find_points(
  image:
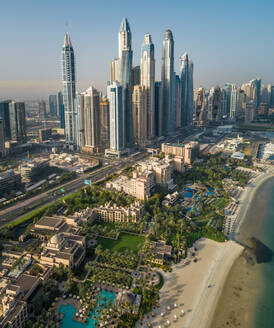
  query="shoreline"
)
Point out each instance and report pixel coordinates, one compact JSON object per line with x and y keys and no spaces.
{"x":242,"y":285}
{"x":198,"y":288}
{"x":195,"y":287}
{"x":245,"y":200}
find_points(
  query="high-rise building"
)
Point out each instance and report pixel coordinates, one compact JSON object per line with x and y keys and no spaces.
{"x":124,"y":78}
{"x":215,"y":105}
{"x":158,"y":109}
{"x":263,"y":110}
{"x":234,"y":103}
{"x":250,"y":111}
{"x":104,"y":123}
{"x":271,"y":95}
{"x":114,"y":70}
{"x":167,"y":75}
{"x":5,"y":115}
{"x":53,"y":105}
{"x":2,"y":138}
{"x":148,"y":82}
{"x":91,"y":119}
{"x":200,"y":107}
{"x":256,"y":83}
{"x":228,"y":88}
{"x":68,"y":74}
{"x":80,"y":110}
{"x":178,"y":102}
{"x":135,"y":76}
{"x":61,"y":112}
{"x":139,"y":115}
{"x":42,"y":108}
{"x":264,"y":95}
{"x":115,"y":96}
{"x":186,"y":72}
{"x":17,"y":121}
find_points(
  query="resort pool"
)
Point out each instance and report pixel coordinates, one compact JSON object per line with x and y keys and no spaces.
{"x":188,"y":194}
{"x":69,"y":312}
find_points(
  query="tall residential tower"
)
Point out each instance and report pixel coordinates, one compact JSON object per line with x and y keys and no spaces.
{"x":168,"y":82}
{"x":147,"y":68}
{"x":68,"y":74}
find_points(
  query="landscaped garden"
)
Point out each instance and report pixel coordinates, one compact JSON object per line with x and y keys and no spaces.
{"x":124,"y":242}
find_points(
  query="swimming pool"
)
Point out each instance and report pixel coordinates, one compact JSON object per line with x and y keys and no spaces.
{"x":69,"y":312}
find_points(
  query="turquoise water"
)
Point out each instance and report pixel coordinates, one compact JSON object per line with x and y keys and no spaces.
{"x":69,"y":312}
{"x":264,"y":317}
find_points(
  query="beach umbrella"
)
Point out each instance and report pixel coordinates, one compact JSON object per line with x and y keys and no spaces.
{"x":175,"y":317}
{"x":168,"y":322}
{"x":183,"y":312}
{"x":162,"y":314}
{"x":168,"y":308}
{"x":175,"y":305}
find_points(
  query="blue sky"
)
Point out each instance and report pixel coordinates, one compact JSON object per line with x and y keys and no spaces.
{"x":229,"y":41}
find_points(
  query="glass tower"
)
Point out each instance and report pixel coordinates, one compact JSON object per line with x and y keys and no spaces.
{"x":68,"y":73}
{"x":148,"y":82}
{"x":168,"y":83}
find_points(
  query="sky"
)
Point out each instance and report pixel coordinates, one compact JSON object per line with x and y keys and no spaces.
{"x":228,"y":40}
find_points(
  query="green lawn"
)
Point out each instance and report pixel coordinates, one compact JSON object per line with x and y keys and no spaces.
{"x":125,"y":242}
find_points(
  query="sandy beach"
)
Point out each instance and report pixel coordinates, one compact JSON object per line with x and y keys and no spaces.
{"x":246,"y":199}
{"x":237,"y":304}
{"x":188,"y":286}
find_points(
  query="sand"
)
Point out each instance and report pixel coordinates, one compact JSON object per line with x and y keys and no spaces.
{"x":187,"y":286}
{"x":236,"y":306}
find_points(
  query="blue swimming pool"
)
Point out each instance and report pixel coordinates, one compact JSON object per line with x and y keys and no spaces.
{"x":188,"y":194}
{"x":69,"y":312}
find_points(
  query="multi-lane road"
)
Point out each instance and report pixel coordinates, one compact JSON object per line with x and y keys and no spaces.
{"x":111,"y":166}
{"x":21,"y":208}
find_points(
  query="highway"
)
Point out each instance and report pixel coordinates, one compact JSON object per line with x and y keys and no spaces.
{"x":23,"y":207}
{"x":50,"y":196}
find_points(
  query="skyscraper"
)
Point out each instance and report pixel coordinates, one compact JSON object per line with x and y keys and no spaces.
{"x":61,"y":112}
{"x":17,"y":121}
{"x":2,"y":138}
{"x":158,"y":109}
{"x":42,"y":109}
{"x":148,"y":82}
{"x":200,"y":107}
{"x":271,"y":95}
{"x":124,"y":78}
{"x":5,"y":115}
{"x":53,"y":105}
{"x":186,"y":72}
{"x":80,"y":108}
{"x":215,"y":105}
{"x":178,"y":102}
{"x":256,"y":83}
{"x":68,"y":73}
{"x":91,"y":118}
{"x":167,"y":76}
{"x":234,"y":103}
{"x":114,"y":70}
{"x":115,"y":96}
{"x":135,"y":76}
{"x":228,"y":88}
{"x":104,"y":123}
{"x":139,"y":115}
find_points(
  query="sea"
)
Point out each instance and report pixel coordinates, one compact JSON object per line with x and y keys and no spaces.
{"x":259,"y":223}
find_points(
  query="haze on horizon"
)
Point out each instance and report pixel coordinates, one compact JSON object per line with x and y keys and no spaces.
{"x":228,"y":41}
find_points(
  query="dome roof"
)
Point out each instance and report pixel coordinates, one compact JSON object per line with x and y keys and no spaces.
{"x":56,"y":239}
